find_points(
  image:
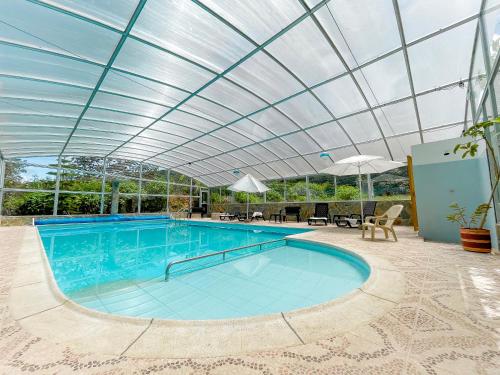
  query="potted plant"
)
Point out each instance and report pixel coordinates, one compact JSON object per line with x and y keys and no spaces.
{"x":472,"y":233}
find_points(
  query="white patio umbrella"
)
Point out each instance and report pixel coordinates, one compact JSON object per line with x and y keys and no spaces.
{"x":361,"y":164}
{"x":248,"y":184}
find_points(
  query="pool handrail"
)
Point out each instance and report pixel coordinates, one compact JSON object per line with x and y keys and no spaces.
{"x":223,"y":252}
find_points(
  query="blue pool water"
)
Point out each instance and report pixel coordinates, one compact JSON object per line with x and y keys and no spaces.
{"x":119,"y":268}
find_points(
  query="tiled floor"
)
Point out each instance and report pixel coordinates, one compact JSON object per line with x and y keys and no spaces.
{"x":448,"y":322}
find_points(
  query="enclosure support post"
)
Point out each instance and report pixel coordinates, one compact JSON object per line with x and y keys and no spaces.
{"x":58,"y":180}
{"x":139,"y":194}
{"x":284,"y":190}
{"x":190,"y":194}
{"x":413,"y":197}
{"x":335,"y":184}
{"x":308,"y":192}
{"x":168,"y":191}
{"x":103,"y":185}
{"x":2,"y":182}
{"x":370,"y":186}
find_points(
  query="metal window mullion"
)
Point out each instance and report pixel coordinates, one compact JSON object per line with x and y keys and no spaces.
{"x":408,"y":67}
{"x":308,"y":192}
{"x":191,"y":193}
{"x":168,"y":191}
{"x":2,"y":182}
{"x":103,"y":185}
{"x":56,"y":190}
{"x":487,"y":63}
{"x":139,"y":191}
{"x":490,"y":80}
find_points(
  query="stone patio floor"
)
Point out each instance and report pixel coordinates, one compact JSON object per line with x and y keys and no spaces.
{"x":448,"y":322}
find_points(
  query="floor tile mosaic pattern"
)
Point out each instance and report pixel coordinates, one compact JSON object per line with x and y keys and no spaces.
{"x":447,"y":323}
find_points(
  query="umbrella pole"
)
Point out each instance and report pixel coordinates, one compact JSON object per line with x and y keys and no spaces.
{"x":360,"y":194}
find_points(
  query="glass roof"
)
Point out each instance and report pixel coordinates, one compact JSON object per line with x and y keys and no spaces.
{"x":206,"y":86}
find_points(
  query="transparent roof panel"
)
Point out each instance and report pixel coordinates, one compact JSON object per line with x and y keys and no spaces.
{"x":258,"y":19}
{"x":251,"y":129}
{"x":492,"y":32}
{"x":423,"y":17}
{"x":305,"y":110}
{"x":430,"y":60}
{"x":54,"y":31}
{"x":439,"y":134}
{"x":233,"y":96}
{"x":120,"y":103}
{"x":302,"y":143}
{"x":109,"y":12}
{"x":186,"y":29}
{"x":377,"y":147}
{"x":368,"y":27}
{"x":26,"y":88}
{"x":307,"y":54}
{"x":261,"y":75}
{"x":401,"y":146}
{"x":341,"y":96}
{"x":397,"y":118}
{"x":387,"y":79}
{"x":39,"y":107}
{"x":329,"y":135}
{"x":26,"y":63}
{"x":153,"y":63}
{"x":127,"y":84}
{"x":274,"y":121}
{"x":442,"y":107}
{"x":209,"y":109}
{"x":361,"y":128}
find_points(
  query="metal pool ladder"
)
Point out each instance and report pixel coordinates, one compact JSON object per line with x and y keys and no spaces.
{"x":223,"y":253}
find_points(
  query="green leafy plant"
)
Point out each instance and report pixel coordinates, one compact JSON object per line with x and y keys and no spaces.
{"x":477,"y":133}
{"x":459,"y":215}
{"x":346,"y":193}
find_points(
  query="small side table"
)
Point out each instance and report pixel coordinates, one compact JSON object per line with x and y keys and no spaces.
{"x":276,"y":217}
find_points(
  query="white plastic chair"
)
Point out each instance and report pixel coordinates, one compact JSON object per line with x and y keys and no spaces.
{"x":384,"y":222}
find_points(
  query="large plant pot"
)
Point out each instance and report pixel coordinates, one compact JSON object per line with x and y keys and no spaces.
{"x":476,"y":240}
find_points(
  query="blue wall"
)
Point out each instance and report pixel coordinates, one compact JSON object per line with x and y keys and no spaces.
{"x":448,"y":179}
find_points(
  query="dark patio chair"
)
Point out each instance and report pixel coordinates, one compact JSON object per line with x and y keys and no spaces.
{"x":320,"y":214}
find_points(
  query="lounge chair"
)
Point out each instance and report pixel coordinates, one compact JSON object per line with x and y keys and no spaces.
{"x":368,"y":211}
{"x":227,"y":216}
{"x":257,"y":215}
{"x":292,"y":211}
{"x":320,"y":214}
{"x":388,"y":219}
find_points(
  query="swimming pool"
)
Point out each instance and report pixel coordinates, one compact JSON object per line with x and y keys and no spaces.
{"x":119,"y":268}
